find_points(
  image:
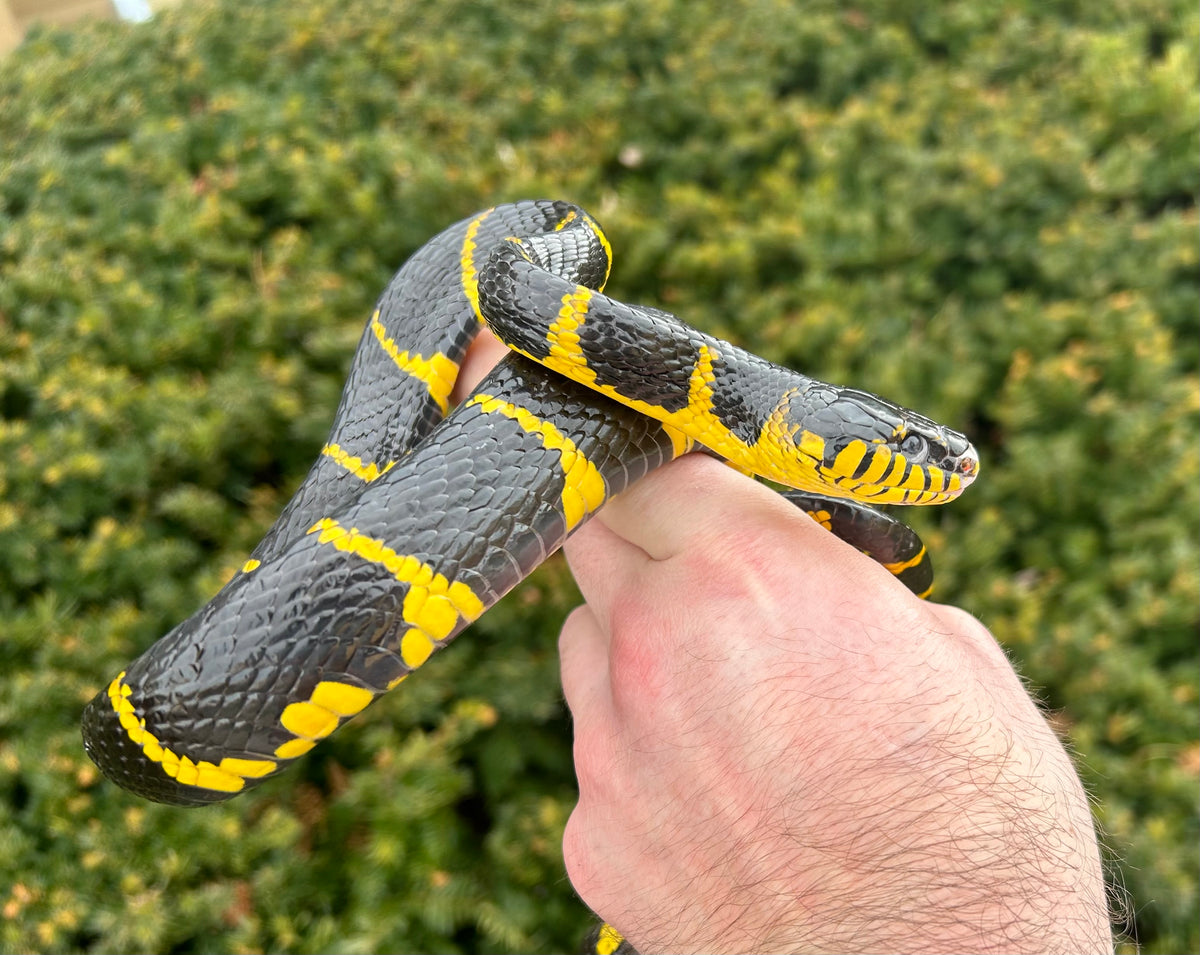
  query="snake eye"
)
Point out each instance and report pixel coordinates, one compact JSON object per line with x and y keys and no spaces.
{"x":914,"y":447}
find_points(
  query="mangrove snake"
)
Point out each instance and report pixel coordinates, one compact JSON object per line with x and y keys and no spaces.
{"x":413,"y":521}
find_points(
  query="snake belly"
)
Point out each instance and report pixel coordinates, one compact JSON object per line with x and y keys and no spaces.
{"x":410,"y":525}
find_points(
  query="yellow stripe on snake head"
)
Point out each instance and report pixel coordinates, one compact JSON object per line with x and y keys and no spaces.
{"x":881,"y":459}
{"x":850,"y":457}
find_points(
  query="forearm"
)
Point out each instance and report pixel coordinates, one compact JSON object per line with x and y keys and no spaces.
{"x":972,"y":849}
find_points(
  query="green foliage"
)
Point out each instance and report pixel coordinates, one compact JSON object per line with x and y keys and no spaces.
{"x":984,"y":211}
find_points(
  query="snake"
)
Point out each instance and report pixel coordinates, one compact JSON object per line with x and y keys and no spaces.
{"x":417,"y":517}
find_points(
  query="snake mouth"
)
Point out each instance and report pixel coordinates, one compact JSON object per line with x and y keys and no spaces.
{"x":933,"y":467}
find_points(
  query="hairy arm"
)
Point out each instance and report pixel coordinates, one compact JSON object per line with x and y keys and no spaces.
{"x":780,"y":749}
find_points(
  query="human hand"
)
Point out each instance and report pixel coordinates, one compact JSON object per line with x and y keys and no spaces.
{"x":779,"y":748}
{"x":485,"y":351}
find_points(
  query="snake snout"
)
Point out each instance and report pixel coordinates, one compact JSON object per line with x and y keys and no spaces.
{"x":964,"y":457}
{"x":967,"y":470}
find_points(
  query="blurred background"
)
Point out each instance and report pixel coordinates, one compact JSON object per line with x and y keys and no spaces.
{"x":987,"y":212}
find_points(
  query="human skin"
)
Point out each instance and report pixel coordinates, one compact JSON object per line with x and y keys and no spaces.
{"x":780,"y":749}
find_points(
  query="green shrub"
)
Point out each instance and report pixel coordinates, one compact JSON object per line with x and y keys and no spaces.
{"x":984,"y":211}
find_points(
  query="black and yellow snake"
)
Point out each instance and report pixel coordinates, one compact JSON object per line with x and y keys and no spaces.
{"x":414,"y":520}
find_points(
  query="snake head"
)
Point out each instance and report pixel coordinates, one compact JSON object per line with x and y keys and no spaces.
{"x":884,"y":454}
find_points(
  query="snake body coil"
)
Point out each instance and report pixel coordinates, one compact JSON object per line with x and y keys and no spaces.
{"x":411,"y":524}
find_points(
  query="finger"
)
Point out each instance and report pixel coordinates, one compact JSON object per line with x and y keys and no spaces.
{"x":481,"y":358}
{"x":691,"y":502}
{"x":604,"y":565}
{"x":700,"y":520}
{"x":583,"y":662}
{"x":587,"y":689}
